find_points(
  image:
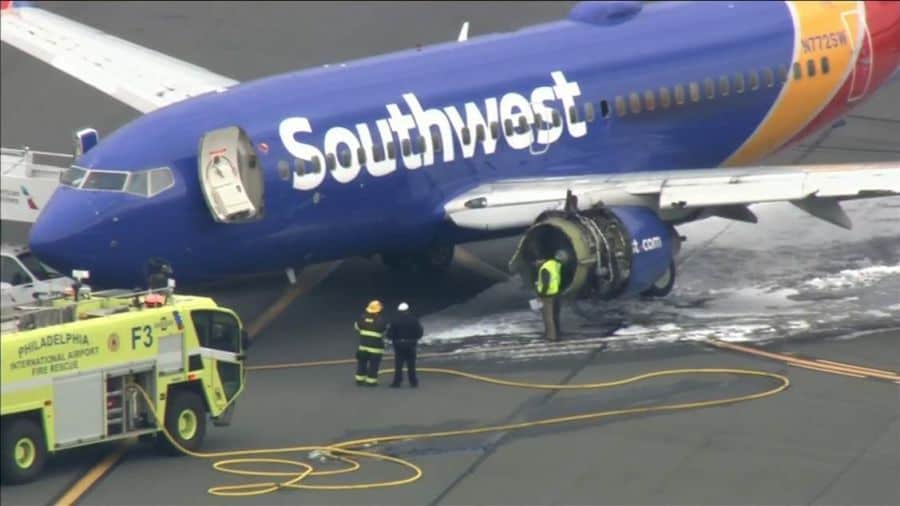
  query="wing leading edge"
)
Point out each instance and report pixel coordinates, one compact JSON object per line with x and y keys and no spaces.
{"x":137,"y":76}
{"x":817,"y":189}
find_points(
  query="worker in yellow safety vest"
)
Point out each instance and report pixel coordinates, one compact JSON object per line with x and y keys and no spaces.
{"x":548,"y":285}
{"x":371,"y":327}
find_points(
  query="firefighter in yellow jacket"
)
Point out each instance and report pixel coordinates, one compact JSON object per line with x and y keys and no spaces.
{"x":371,"y":327}
{"x":547,"y":286}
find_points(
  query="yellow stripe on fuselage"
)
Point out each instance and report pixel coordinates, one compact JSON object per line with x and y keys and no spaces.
{"x":821,"y":29}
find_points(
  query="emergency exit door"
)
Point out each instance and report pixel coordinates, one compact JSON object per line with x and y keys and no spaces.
{"x":230,"y":176}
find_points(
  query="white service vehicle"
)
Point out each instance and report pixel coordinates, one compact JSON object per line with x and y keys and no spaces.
{"x":23,"y":278}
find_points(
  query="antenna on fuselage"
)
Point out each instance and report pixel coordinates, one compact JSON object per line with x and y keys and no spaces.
{"x":463,"y":32}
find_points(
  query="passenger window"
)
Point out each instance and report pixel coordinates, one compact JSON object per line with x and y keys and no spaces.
{"x":137,"y":184}
{"x":798,"y":71}
{"x":634,"y":103}
{"x":420,"y":144}
{"x":811,"y":68}
{"x":769,"y":77}
{"x":539,"y":120}
{"x":436,"y":141}
{"x":782,"y":73}
{"x":604,"y":108}
{"x":391,"y":150}
{"x":523,"y":125}
{"x":679,"y":94}
{"x":694,"y":90}
{"x":161,"y":180}
{"x":620,"y":107}
{"x":825,"y":66}
{"x":316,"y":165}
{"x":709,"y":88}
{"x":724,"y":86}
{"x":739,"y":83}
{"x":329,"y":162}
{"x":407,"y":147}
{"x":361,"y":155}
{"x":557,"y":118}
{"x":649,"y":100}
{"x":754,"y":80}
{"x":378,"y":153}
{"x":665,"y":99}
{"x":466,"y":136}
{"x":299,"y":167}
{"x":573,"y":114}
{"x":508,"y":126}
{"x":589,"y":112}
{"x":346,"y":157}
{"x":13,"y":273}
{"x":479,"y":133}
{"x":495,"y":130}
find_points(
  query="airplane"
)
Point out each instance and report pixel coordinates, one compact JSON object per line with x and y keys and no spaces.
{"x":596,"y":134}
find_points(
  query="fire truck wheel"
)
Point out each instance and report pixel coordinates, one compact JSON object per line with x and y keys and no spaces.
{"x":24,"y":450}
{"x":185,"y":421}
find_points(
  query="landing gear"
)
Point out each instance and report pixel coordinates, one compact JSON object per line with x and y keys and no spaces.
{"x":434,"y":260}
{"x":663,"y":285}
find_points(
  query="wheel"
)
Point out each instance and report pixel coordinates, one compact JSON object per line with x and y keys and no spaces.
{"x":436,"y":259}
{"x":24,"y":450}
{"x":185,"y":422}
{"x":663,"y":285}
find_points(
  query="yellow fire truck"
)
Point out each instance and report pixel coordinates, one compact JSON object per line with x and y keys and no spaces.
{"x":71,"y":368}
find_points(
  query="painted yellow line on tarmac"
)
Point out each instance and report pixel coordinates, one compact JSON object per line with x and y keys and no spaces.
{"x":309,"y":278}
{"x":94,"y":474}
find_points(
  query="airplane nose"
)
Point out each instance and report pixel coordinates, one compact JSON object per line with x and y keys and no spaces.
{"x":57,"y":237}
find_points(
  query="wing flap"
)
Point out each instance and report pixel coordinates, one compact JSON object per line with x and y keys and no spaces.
{"x":139,"y":77}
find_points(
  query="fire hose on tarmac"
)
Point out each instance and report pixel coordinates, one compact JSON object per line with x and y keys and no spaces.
{"x":298,"y":472}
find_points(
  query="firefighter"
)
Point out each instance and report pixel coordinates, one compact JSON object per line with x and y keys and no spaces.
{"x":404,"y":333}
{"x":371,"y":327}
{"x":547,"y":286}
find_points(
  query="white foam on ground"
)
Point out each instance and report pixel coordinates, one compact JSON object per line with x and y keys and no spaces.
{"x":854,"y":278}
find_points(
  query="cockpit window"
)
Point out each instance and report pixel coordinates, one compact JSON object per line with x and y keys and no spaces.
{"x":97,"y":180}
{"x":73,"y":176}
{"x":160,"y":180}
{"x":137,"y":184}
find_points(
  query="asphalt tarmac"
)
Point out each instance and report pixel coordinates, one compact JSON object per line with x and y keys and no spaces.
{"x":828,"y":439}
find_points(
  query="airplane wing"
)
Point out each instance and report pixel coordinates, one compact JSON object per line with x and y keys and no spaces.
{"x":140,"y":77}
{"x":817,"y":189}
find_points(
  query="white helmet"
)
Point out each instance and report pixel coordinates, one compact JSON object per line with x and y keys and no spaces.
{"x":403,"y":307}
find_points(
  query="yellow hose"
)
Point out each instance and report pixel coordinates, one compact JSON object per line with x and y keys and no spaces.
{"x":348,"y":452}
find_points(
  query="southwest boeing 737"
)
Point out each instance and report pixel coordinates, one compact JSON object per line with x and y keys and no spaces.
{"x":596,"y":134}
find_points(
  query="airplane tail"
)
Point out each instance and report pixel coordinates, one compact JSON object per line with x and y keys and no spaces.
{"x":9,"y":4}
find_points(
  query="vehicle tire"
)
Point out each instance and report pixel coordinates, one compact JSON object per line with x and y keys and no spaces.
{"x":663,"y":285}
{"x":24,"y":450}
{"x":185,"y":422}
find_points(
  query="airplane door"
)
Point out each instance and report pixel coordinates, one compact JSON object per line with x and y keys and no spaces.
{"x":230,"y":176}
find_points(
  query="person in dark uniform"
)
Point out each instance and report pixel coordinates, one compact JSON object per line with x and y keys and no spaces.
{"x":371,"y":327}
{"x":404,"y":333}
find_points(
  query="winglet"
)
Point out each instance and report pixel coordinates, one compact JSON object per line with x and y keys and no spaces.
{"x":463,"y":33}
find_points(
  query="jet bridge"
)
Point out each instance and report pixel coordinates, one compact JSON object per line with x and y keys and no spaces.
{"x":28,"y":179}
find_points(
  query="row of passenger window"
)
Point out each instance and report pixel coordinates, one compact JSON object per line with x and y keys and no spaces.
{"x":738,"y":84}
{"x":634,"y":103}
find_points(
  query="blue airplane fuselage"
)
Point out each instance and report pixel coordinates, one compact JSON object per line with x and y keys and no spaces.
{"x":654,"y":79}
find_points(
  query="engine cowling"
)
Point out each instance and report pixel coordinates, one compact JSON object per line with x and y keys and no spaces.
{"x":612,"y":251}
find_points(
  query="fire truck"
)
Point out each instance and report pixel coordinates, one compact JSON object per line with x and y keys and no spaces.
{"x":76,"y":369}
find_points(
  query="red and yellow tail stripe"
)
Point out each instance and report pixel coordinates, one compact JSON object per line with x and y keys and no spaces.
{"x":821,"y":29}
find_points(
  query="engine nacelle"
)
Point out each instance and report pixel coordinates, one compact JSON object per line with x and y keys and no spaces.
{"x":612,"y":251}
